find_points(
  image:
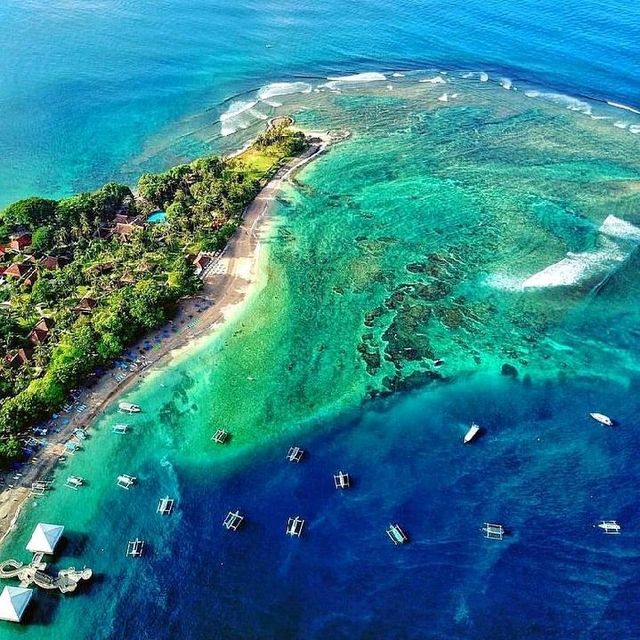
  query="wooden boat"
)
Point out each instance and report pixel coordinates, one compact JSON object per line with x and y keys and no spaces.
{"x":474,"y":430}
{"x":295,"y":454}
{"x":220,"y":436}
{"x":493,"y":531}
{"x":294,"y":526}
{"x":129,"y":407}
{"x":341,"y":480}
{"x":610,"y":527}
{"x":135,"y":548}
{"x":602,"y":419}
{"x":396,"y":534}
{"x":125,"y":481}
{"x":165,"y":506}
{"x":74,"y":482}
{"x":233,"y":520}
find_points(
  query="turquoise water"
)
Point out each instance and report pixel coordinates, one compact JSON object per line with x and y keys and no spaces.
{"x":496,"y":226}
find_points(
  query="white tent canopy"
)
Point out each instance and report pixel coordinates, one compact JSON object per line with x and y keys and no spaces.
{"x":13,"y":602}
{"x":44,"y":538}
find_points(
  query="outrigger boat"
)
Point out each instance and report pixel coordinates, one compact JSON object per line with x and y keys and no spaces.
{"x":474,"y":430}
{"x":74,"y":482}
{"x":396,"y":534}
{"x":610,"y":527}
{"x":602,"y":419}
{"x":128,"y":407}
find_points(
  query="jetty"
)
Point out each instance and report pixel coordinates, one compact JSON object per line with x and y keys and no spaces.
{"x":493,"y":531}
{"x":135,"y":548}
{"x":396,"y":534}
{"x":295,"y":454}
{"x":43,"y":541}
{"x":220,"y":436}
{"x":165,"y":506}
{"x":74,"y":482}
{"x":295,"y":526}
{"x":233,"y":520}
{"x":126,"y":481}
{"x":341,"y":480}
{"x":610,"y":527}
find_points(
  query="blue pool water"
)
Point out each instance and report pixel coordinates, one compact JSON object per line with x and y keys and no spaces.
{"x":158,"y":216}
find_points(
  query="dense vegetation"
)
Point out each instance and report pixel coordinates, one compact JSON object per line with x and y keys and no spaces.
{"x":134,"y":280}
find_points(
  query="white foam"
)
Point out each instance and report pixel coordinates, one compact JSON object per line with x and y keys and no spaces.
{"x":390,"y":87}
{"x":397,"y":75}
{"x":484,"y":77}
{"x":618,"y":228}
{"x":435,"y":80}
{"x":618,"y":105}
{"x":568,"y":102}
{"x":282,"y":89}
{"x":335,"y":82}
{"x":620,"y":124}
{"x":634,"y":128}
{"x":444,"y":97}
{"x":240,"y":115}
{"x":506,"y":83}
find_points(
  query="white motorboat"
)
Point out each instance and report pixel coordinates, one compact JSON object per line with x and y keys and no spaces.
{"x":602,"y":419}
{"x":474,"y":430}
{"x":129,"y":407}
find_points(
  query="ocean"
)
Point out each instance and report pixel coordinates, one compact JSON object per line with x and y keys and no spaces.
{"x":485,"y":211}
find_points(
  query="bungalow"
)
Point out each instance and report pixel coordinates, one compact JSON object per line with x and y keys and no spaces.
{"x":18,"y":271}
{"x":30,"y":278}
{"x":52,"y":263}
{"x":41,"y":331}
{"x":19,"y":241}
{"x":125,"y":229}
{"x":86,"y":305}
{"x":18,"y":358}
{"x":201,"y":262}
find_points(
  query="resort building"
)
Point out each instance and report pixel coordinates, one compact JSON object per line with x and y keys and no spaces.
{"x":18,"y":357}
{"x":13,"y":602}
{"x":201,"y":262}
{"x":19,"y":241}
{"x":44,"y":538}
{"x":41,"y":331}
{"x":86,"y":305}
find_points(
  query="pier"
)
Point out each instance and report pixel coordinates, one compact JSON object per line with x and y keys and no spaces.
{"x":34,"y":574}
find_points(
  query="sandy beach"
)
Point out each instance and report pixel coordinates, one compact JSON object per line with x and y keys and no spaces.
{"x":227,"y":284}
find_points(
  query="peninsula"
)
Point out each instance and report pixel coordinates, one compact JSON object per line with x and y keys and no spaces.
{"x":126,"y":290}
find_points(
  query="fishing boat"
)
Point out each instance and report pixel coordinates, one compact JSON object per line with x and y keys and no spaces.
{"x":128,"y":407}
{"x":474,"y":430}
{"x":120,"y":428}
{"x":602,"y":419}
{"x":74,"y":482}
{"x":610,"y":527}
{"x":396,"y":534}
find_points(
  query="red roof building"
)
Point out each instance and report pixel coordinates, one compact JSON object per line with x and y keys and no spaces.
{"x":19,"y":241}
{"x":18,"y":358}
{"x":40,"y":333}
{"x":19,"y":271}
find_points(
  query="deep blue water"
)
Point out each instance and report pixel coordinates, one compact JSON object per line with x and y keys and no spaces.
{"x":544,"y":469}
{"x":90,"y":91}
